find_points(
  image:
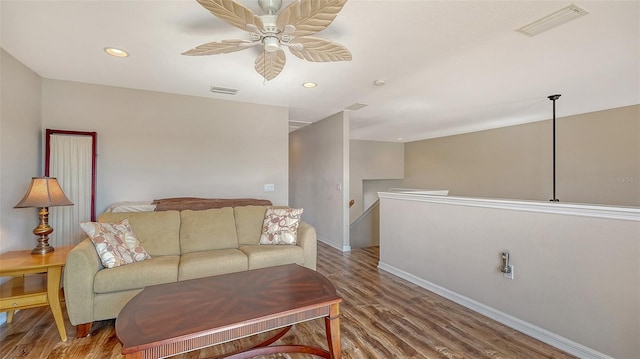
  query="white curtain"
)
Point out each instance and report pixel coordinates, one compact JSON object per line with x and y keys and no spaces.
{"x":70,"y":163}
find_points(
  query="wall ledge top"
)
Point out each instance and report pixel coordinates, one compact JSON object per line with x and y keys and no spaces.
{"x":572,"y":209}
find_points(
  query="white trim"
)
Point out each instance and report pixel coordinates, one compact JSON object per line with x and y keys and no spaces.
{"x":527,"y":328}
{"x":334,"y":245}
{"x":572,"y":209}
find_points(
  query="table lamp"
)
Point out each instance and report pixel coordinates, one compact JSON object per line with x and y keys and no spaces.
{"x":43,"y":192}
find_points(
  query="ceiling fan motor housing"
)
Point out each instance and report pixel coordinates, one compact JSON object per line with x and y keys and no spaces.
{"x":270,"y":6}
{"x":270,"y":41}
{"x":269,"y":23}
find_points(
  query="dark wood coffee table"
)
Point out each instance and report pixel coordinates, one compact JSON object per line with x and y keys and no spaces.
{"x":174,"y":318}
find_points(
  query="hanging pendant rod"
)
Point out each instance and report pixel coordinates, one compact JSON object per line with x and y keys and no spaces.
{"x":554,"y":98}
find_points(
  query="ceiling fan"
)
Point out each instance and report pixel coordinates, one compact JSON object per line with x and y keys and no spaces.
{"x":291,"y":28}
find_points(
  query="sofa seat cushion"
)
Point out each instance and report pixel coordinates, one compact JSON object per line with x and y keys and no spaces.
{"x":157,"y":270}
{"x":269,"y":256}
{"x":208,"y":263}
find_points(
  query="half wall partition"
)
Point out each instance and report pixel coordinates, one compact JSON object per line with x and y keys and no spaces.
{"x":576,"y":279}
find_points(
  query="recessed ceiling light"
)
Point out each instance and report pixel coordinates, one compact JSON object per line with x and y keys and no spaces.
{"x":116,"y":52}
{"x":310,"y":85}
{"x":379,"y":83}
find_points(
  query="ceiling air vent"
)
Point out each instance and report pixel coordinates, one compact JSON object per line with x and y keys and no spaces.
{"x":552,"y":20}
{"x":355,"y":107}
{"x":295,"y":125}
{"x":223,"y":90}
{"x":298,"y":124}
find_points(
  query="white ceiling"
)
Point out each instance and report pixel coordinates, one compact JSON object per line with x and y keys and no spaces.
{"x":450,"y":66}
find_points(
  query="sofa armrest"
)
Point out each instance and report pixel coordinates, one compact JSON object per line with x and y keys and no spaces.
{"x":81,"y":267}
{"x":306,"y":238}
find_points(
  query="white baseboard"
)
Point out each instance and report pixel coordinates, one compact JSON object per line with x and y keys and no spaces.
{"x":334,"y":245}
{"x":529,"y":329}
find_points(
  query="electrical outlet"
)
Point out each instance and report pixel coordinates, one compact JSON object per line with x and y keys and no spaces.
{"x":510,"y":274}
{"x":269,"y":187}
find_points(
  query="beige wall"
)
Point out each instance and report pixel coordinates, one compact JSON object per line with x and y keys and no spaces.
{"x":371,"y":160}
{"x":575,"y":276}
{"x":598,"y":160}
{"x":20,"y":150}
{"x":154,"y":145}
{"x":319,"y":177}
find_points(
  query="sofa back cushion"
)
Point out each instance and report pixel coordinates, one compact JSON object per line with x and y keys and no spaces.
{"x":157,"y":231}
{"x":249,"y":223}
{"x":207,"y":230}
{"x":249,"y":220}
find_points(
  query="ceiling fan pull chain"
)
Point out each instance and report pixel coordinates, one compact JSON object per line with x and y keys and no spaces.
{"x":264,"y":67}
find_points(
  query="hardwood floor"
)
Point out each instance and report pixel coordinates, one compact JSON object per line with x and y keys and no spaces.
{"x":382,"y":317}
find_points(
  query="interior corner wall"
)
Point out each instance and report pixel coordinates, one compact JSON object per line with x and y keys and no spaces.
{"x":319,"y":177}
{"x":371,"y":160}
{"x":20,"y":150}
{"x":156,"y":145}
{"x":597,"y":160}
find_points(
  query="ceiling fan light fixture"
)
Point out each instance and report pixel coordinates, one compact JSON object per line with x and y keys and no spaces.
{"x":309,"y":85}
{"x":113,"y":51}
{"x":271,"y":44}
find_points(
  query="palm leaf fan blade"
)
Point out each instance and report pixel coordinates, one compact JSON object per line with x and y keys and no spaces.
{"x":319,"y":50}
{"x":222,"y":47}
{"x":270,"y":64}
{"x":232,"y":12}
{"x":309,"y":17}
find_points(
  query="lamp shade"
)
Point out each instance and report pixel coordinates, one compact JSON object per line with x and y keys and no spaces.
{"x":44,"y":192}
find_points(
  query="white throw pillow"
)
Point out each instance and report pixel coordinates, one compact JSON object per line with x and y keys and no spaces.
{"x":280,"y":226}
{"x":115,"y":243}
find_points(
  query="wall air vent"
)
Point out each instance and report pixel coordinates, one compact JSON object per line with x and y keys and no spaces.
{"x":223,"y":90}
{"x":552,"y":20}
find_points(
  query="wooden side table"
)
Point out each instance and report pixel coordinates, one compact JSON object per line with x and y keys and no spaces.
{"x":36,"y":282}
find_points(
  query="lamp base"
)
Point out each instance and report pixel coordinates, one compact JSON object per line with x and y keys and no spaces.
{"x":43,"y":230}
{"x":42,"y":249}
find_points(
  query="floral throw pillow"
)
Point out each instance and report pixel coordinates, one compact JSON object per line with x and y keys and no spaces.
{"x":280,"y":225}
{"x":115,"y":243}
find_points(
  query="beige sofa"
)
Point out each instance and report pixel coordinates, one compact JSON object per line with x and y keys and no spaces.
{"x":183,"y":245}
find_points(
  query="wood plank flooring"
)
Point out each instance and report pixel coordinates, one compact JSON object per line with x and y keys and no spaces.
{"x":383,"y":317}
